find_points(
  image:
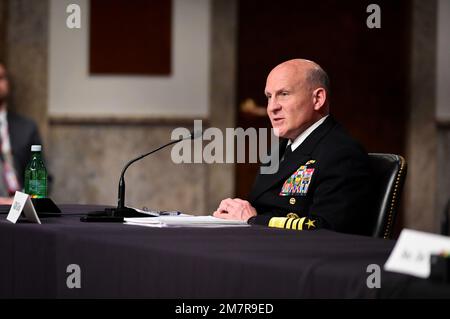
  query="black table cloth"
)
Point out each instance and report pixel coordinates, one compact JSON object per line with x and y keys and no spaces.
{"x":123,"y":261}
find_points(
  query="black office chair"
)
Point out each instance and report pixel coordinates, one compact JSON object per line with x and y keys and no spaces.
{"x":389,"y":174}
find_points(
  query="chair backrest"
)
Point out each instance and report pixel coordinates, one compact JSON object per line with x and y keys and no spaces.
{"x":389,"y":174}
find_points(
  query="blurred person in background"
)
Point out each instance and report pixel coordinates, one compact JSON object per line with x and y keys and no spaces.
{"x":17,"y":134}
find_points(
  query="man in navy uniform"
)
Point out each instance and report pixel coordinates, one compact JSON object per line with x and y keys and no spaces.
{"x":323,"y":180}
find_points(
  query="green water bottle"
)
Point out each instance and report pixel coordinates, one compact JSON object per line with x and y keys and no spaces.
{"x":36,"y":174}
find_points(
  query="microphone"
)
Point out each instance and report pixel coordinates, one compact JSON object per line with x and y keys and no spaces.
{"x":121,"y":211}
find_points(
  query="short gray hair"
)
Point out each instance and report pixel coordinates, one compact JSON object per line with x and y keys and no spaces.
{"x":317,"y":77}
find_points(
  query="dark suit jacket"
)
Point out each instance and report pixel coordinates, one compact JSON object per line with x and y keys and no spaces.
{"x":338,"y":196}
{"x":23,"y":133}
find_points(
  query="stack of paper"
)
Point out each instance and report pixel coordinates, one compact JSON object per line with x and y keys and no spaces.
{"x":184,"y":221}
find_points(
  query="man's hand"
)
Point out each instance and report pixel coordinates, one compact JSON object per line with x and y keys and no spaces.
{"x":236,"y":209}
{"x":6,"y":200}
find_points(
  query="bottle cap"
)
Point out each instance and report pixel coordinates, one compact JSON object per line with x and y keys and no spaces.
{"x":36,"y":148}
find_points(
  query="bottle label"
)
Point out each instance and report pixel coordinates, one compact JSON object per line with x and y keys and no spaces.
{"x":38,"y":188}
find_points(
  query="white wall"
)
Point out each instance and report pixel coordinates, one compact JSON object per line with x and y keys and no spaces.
{"x":443,"y":61}
{"x":73,"y":92}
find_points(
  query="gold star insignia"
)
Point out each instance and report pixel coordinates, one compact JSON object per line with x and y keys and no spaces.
{"x":310,"y":223}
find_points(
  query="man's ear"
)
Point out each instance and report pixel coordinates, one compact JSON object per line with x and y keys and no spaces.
{"x":319,"y":98}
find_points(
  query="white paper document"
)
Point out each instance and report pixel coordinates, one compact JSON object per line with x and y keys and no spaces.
{"x":184,"y":220}
{"x":411,"y":254}
{"x":157,"y":212}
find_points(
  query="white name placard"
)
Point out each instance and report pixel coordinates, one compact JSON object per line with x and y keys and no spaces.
{"x":411,"y":254}
{"x":22,"y":204}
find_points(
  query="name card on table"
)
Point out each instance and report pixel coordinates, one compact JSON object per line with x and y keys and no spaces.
{"x":411,"y":254}
{"x":22,"y":204}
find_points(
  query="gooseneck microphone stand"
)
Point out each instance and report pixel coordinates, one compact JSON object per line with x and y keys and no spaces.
{"x":121,"y":211}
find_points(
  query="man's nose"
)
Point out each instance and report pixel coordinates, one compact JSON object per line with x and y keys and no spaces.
{"x":273,"y":105}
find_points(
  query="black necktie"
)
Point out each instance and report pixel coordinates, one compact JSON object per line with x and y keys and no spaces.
{"x":287,"y":152}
